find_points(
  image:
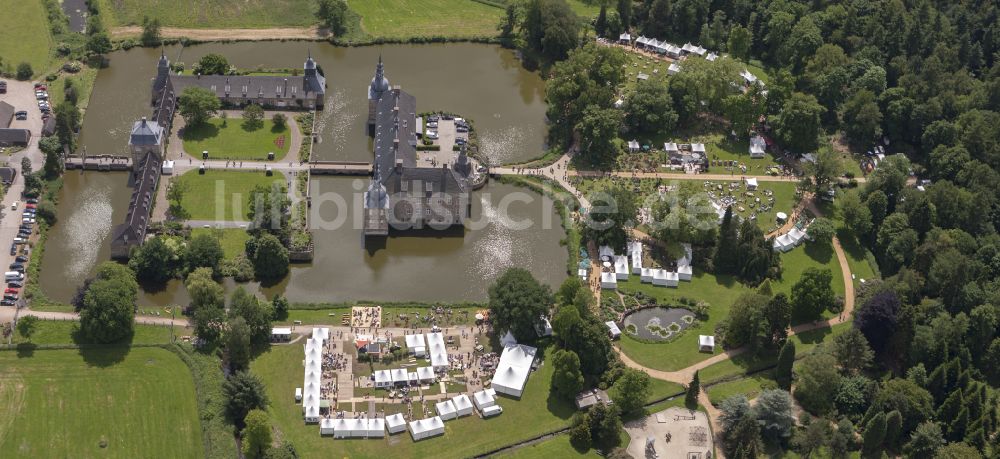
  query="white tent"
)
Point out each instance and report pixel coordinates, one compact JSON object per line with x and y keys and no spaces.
{"x":375,"y":428}
{"x":621,"y":267}
{"x":711,"y":57}
{"x":446,"y":410}
{"x":660,"y":277}
{"x":633,"y":146}
{"x":311,"y":413}
{"x":673,"y":69}
{"x":340,"y":428}
{"x":757,"y":147}
{"x":463,"y":406}
{"x":752,"y":183}
{"x":582,"y":273}
{"x":395,"y":423}
{"x":383,"y":378}
{"x":670,"y":147}
{"x":326,"y":427}
{"x":609,"y":281}
{"x":483,"y":399}
{"x":673,"y":50}
{"x":426,"y":428}
{"x":321,"y":333}
{"x":439,"y":360}
{"x":706,"y":343}
{"x":399,"y":376}
{"x":492,"y":411}
{"x":685,"y":272}
{"x":672,"y":279}
{"x":513,"y":369}
{"x":281,"y":333}
{"x":415,"y":344}
{"x":434,"y":340}
{"x":411,"y":377}
{"x":508,"y":339}
{"x":613,"y":329}
{"x":698,"y":148}
{"x":646,"y":275}
{"x":624,"y":38}
{"x":425,"y":374}
{"x":605,"y":252}
{"x":635,"y":251}
{"x":748,"y":77}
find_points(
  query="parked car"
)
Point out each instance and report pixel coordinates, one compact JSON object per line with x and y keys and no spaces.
{"x":447,"y":117}
{"x":11,"y":290}
{"x":461,"y":129}
{"x":432,"y":124}
{"x":433,"y":118}
{"x":30,"y":206}
{"x":21,"y":115}
{"x":10,"y":297}
{"x":15,"y":266}
{"x":32,"y":201}
{"x":21,"y":259}
{"x":459,"y":141}
{"x":432,"y":135}
{"x":39,"y":85}
{"x":7,"y":302}
{"x":15,"y":284}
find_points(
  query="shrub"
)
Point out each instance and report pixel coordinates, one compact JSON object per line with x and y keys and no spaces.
{"x":24,"y":71}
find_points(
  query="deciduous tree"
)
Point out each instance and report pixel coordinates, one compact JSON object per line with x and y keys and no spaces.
{"x":197,"y":105}
{"x":517,"y":302}
{"x":567,"y":381}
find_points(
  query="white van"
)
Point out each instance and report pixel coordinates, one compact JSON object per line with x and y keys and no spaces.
{"x":13,"y":276}
{"x":13,"y":206}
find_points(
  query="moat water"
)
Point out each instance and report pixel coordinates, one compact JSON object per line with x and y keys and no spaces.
{"x":484,"y":83}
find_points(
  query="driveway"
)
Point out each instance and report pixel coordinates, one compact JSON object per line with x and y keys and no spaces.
{"x":20,"y":94}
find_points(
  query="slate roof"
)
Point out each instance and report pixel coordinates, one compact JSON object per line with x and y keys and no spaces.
{"x":6,"y":114}
{"x":145,"y":133}
{"x":133,"y":231}
{"x":14,"y":136}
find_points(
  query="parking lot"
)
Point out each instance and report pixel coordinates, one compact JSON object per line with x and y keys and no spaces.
{"x":447,"y":134}
{"x":21,"y":95}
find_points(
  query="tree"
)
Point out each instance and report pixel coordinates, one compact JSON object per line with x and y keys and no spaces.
{"x":567,"y":381}
{"x":270,"y":259}
{"x":244,"y":391}
{"x":691,"y":395}
{"x":197,"y":105}
{"x":280,"y":121}
{"x":176,"y":189}
{"x":285,"y":451}
{"x":913,"y":402}
{"x":625,"y":12}
{"x":740,"y":39}
{"x":811,"y":439}
{"x":150,"y":31}
{"x":154,"y":261}
{"x":46,"y":212}
{"x":99,"y":43}
{"x":812,"y":294}
{"x":817,"y":379}
{"x":774,"y":412}
{"x":798,"y":122}
{"x":605,"y":424}
{"x":279,"y":304}
{"x":747,"y":324}
{"x":108,"y":311}
{"x":825,"y":169}
{"x":601,"y":24}
{"x":779,"y":315}
{"x":204,"y":251}
{"x":598,"y":130}
{"x":551,"y":28}
{"x":822,"y":231}
{"x":630,"y":390}
{"x":783,"y":369}
{"x":957,"y":451}
{"x":893,"y":427}
{"x":861,"y":118}
{"x":203,"y":289}
{"x":213,"y":64}
{"x":52,"y":148}
{"x":744,"y":440}
{"x":725,"y":249}
{"x":253,"y":117}
{"x":257,"y":315}
{"x":853,"y":396}
{"x":256,"y":435}
{"x":925,"y":440}
{"x":333,"y":15}
{"x":209,"y":322}
{"x":873,"y":435}
{"x":611,"y":216}
{"x":517,"y":301}
{"x":238,"y":344}
{"x":856,"y":215}
{"x":579,"y":434}
{"x":67,"y":122}
{"x":852,"y":351}
{"x":877,"y":319}
{"x":26,"y":326}
{"x":649,"y":110}
{"x":24,"y":71}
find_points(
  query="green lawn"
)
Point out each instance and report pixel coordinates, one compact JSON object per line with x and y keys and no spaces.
{"x":236,"y":142}
{"x":67,"y":332}
{"x":719,"y":292}
{"x":555,"y":447}
{"x":84,"y":82}
{"x":221,"y":195}
{"x":137,"y":402}
{"x":199,"y":14}
{"x":427,"y":18}
{"x":587,"y":9}
{"x":750,"y":386}
{"x":536,"y":413}
{"x":233,"y":240}
{"x":25,"y":35}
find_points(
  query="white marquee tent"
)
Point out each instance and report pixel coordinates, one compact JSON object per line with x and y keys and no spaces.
{"x":375,"y":428}
{"x":395,"y":423}
{"x":463,"y":406}
{"x":609,"y":281}
{"x":326,"y":427}
{"x":426,"y":428}
{"x":415,"y":344}
{"x":383,"y":378}
{"x":446,"y":410}
{"x":635,"y":252}
{"x":425,"y":374}
{"x":513,"y":369}
{"x":508,"y":339}
{"x":483,"y":399}
{"x":621,"y":267}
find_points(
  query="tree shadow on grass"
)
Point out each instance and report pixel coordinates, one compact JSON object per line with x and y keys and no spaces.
{"x":251,"y":126}
{"x":26,"y":350}
{"x":820,"y":253}
{"x":199,"y":132}
{"x":102,"y":355}
{"x":815,"y":336}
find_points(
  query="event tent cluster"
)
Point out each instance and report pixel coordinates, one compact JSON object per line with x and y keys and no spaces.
{"x":429,"y":345}
{"x":311,"y":393}
{"x":401,"y":377}
{"x":790,"y":240}
{"x":656,"y":276}
{"x":353,"y":428}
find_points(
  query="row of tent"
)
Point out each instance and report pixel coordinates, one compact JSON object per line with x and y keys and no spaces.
{"x":790,"y":240}
{"x":419,"y":429}
{"x":401,"y":377}
{"x":663,"y":47}
{"x":312,"y":379}
{"x":659,"y":277}
{"x":430,"y":344}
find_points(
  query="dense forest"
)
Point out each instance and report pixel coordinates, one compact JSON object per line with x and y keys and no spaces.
{"x":918,"y":373}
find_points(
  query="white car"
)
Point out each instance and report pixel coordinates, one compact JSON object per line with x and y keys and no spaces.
{"x":432,"y":124}
{"x":432,"y":135}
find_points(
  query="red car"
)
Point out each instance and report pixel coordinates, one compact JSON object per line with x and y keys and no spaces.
{"x":10,"y":291}
{"x":40,"y":87}
{"x":29,"y":206}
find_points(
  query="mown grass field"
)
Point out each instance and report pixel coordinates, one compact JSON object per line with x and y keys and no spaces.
{"x":25,"y":35}
{"x":558,"y":446}
{"x":235,"y":141}
{"x":137,"y":402}
{"x":67,"y":332}
{"x":536,"y":413}
{"x":233,"y":240}
{"x":210,"y":13}
{"x":222,"y":195}
{"x":426,"y":18}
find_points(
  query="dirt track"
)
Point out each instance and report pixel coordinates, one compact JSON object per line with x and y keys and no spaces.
{"x":227,"y":34}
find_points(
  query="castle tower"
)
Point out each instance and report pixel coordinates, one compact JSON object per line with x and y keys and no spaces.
{"x":162,"y":75}
{"x":314,"y":83}
{"x":378,"y":87}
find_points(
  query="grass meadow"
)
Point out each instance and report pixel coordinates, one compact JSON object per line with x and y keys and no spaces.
{"x":400,"y":19}
{"x":105,"y":402}
{"x":234,"y":141}
{"x":25,"y":35}
{"x":233,"y":240}
{"x":203,"y":14}
{"x":222,"y":195}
